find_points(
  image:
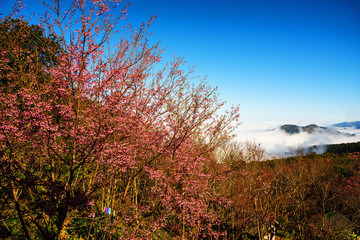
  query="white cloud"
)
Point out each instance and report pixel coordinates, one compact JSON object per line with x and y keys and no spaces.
{"x":276,"y":141}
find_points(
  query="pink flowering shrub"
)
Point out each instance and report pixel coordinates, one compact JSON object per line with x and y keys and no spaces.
{"x":96,"y":126}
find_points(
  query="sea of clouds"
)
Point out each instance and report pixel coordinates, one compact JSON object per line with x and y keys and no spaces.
{"x":278,"y":142}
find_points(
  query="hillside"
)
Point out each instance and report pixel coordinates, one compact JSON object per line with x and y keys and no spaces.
{"x":336,"y":148}
{"x":312,"y":128}
{"x":355,"y":124}
{"x":294,"y":129}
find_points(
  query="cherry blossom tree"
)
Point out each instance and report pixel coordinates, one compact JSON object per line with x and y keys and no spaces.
{"x":106,"y":125}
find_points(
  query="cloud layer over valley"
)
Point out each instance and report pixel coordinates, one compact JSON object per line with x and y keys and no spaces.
{"x":278,"y":142}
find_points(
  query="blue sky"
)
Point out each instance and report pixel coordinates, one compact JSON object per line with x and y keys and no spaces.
{"x":282,"y":61}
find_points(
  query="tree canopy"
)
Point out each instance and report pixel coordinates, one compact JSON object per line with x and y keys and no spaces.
{"x":25,"y":49}
{"x":86,"y":127}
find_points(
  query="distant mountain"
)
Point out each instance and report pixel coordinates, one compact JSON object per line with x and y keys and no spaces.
{"x":290,"y":129}
{"x":355,"y":124}
{"x":295,"y":129}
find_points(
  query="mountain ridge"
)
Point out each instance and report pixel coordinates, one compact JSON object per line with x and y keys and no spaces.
{"x":354,"y":124}
{"x":313,"y":128}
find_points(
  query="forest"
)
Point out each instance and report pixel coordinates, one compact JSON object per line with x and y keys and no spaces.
{"x":102,"y":139}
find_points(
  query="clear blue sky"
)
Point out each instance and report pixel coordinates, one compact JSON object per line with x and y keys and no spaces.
{"x":290,"y":61}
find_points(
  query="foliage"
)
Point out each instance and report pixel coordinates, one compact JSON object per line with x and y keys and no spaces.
{"x":291,"y":197}
{"x":85,"y":126}
{"x":343,"y":148}
{"x":25,"y":51}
